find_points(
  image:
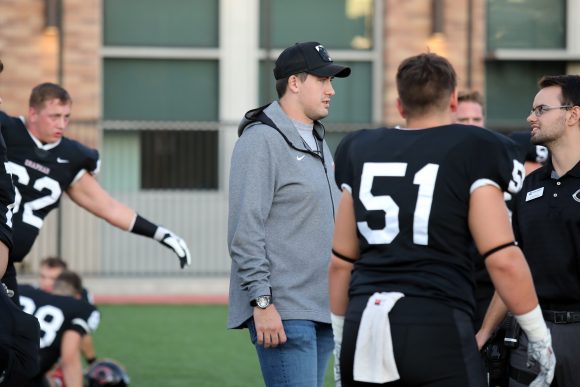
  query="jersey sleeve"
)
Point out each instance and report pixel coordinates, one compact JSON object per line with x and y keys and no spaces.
{"x":495,"y":160}
{"x":6,"y":197}
{"x":343,"y":171}
{"x":89,"y":161}
{"x":87,"y":319}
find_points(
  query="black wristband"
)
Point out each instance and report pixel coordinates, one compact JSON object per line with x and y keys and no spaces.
{"x":91,"y":360}
{"x":144,"y":227}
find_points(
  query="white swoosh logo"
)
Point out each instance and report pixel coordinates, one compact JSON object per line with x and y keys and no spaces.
{"x":299,"y":157}
{"x":62,"y":161}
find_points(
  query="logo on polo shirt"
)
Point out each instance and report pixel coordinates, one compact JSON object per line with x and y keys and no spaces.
{"x":576,"y":196}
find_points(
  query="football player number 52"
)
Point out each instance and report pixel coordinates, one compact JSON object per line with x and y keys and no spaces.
{"x":44,"y":183}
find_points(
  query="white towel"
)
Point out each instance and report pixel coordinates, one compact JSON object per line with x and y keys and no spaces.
{"x":374,"y":361}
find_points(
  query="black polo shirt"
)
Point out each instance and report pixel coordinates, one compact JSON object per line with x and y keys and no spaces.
{"x":546,"y":220}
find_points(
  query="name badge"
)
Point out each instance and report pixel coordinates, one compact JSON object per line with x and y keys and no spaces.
{"x":534,"y":194}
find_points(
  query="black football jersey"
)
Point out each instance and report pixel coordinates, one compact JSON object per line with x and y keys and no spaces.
{"x":529,"y":151}
{"x":18,"y":343}
{"x":6,"y":198}
{"x":411,"y":191}
{"x":56,"y":314}
{"x":41,"y":173}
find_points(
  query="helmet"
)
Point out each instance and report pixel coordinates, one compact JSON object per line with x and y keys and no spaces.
{"x":107,"y":373}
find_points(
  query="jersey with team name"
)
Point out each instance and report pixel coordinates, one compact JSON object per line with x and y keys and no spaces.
{"x":41,"y":173}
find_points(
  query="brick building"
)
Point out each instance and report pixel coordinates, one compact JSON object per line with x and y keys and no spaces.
{"x":158,"y":88}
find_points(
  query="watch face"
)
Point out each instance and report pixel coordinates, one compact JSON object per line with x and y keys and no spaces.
{"x":263,"y":301}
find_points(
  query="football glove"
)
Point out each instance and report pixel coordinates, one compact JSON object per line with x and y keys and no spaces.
{"x":540,"y":352}
{"x":337,"y":327}
{"x":175,"y":243}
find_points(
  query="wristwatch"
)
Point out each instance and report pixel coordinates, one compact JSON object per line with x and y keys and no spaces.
{"x":261,"y":302}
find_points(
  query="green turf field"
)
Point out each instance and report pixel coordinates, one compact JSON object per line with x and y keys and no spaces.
{"x":178,"y":346}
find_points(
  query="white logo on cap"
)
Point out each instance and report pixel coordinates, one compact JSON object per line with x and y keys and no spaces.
{"x":323,"y":53}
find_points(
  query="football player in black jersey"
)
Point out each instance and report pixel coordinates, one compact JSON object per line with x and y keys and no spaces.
{"x":45,"y":164}
{"x":64,"y":319}
{"x":413,"y":199}
{"x":50,"y":269}
{"x":18,"y":331}
{"x":6,"y":204}
{"x":470,"y":111}
{"x":535,"y":155}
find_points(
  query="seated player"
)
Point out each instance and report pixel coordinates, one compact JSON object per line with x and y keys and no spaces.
{"x":64,"y":319}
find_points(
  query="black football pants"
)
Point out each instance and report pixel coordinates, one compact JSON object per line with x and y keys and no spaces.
{"x":434,"y":345}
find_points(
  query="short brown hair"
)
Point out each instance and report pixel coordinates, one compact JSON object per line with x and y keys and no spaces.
{"x":282,"y":84}
{"x":570,"y":85}
{"x":47,"y":92}
{"x":425,"y":82}
{"x":68,"y":283}
{"x":470,"y":96}
{"x":54,"y":262}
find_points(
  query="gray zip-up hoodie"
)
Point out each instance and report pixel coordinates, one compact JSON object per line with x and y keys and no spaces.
{"x":281,"y":217}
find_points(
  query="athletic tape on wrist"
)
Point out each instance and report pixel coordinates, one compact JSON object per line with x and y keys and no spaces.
{"x":533,"y":324}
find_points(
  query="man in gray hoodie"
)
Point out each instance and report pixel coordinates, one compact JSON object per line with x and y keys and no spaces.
{"x":281,"y":214}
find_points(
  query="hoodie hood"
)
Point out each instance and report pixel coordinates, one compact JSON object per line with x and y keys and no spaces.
{"x":273,"y":116}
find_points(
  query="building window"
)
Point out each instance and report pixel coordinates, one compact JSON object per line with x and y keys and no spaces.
{"x":179,"y":159}
{"x":160,"y":90}
{"x":154,"y":23}
{"x":531,"y":24}
{"x":511,"y":87}
{"x":358,"y":98}
{"x":160,"y":94}
{"x":355,"y":18}
{"x":526,"y":39}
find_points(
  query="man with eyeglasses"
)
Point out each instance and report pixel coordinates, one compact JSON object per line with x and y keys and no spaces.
{"x":546,"y":221}
{"x":470,"y":111}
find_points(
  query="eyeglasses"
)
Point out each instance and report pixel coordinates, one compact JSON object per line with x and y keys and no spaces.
{"x":541,"y":109}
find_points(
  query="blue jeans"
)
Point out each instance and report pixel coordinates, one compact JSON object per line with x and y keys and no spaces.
{"x":302,"y":360}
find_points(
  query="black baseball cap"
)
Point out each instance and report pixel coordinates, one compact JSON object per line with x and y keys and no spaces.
{"x":309,"y":57}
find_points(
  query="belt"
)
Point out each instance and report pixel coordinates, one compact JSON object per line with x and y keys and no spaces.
{"x":521,"y":376}
{"x":560,"y":306}
{"x":561,"y":317}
